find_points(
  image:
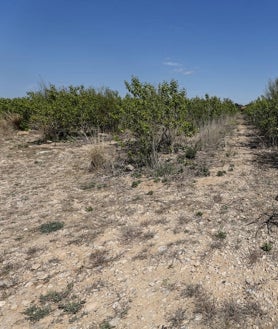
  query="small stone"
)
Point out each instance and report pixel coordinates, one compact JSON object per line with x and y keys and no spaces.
{"x":42,"y":276}
{"x":162,"y":249}
{"x":198,"y":317}
{"x":2,"y":303}
{"x":91,"y":307}
{"x":35,"y":267}
{"x":114,"y":322}
{"x":129,"y":167}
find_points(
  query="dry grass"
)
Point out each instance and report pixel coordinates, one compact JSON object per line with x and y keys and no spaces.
{"x":210,"y":135}
{"x":99,"y":159}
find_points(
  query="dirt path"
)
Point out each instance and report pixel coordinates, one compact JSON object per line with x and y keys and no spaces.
{"x":180,"y":254}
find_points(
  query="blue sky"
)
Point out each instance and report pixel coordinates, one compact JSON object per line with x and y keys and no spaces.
{"x":224,"y":48}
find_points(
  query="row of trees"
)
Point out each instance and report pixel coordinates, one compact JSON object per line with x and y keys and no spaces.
{"x":153,"y":114}
{"x":264,"y":113}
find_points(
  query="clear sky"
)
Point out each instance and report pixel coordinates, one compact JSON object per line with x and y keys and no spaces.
{"x":226,"y":48}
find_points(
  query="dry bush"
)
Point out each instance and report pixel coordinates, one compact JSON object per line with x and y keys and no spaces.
{"x":99,"y":159}
{"x":9,"y":122}
{"x":211,"y":135}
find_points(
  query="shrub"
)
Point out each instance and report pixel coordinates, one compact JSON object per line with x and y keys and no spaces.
{"x":51,"y":227}
{"x":35,"y":313}
{"x":154,"y":116}
{"x":264,"y":113}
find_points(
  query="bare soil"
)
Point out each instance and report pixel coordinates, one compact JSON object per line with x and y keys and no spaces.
{"x":186,"y":252}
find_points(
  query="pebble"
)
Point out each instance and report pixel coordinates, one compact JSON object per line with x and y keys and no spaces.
{"x":161,"y":249}
{"x":91,"y":307}
{"x":35,"y":267}
{"x":2,"y":303}
{"x":114,"y":322}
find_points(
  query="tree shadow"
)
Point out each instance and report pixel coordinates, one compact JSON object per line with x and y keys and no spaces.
{"x":267,"y":157}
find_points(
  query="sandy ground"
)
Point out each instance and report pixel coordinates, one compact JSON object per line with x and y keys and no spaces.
{"x":186,"y":252}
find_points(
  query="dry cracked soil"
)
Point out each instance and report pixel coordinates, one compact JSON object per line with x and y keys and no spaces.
{"x":108,"y":249}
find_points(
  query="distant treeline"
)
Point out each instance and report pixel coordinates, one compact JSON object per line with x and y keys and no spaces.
{"x":59,"y":112}
{"x":153,"y":114}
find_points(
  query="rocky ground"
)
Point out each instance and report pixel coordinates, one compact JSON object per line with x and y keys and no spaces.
{"x":107,"y":248}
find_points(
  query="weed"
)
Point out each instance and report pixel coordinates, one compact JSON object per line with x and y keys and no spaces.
{"x":51,"y":227}
{"x":150,"y":193}
{"x":164,"y":169}
{"x":254,"y":256}
{"x":183,"y":220}
{"x":89,"y":209}
{"x":221,"y":235}
{"x":32,"y":251}
{"x":267,"y":246}
{"x":35,"y":313}
{"x":192,"y":290}
{"x":177,"y":318}
{"x":220,"y":173}
{"x":232,"y":312}
{"x":131,"y":233}
{"x":6,"y":269}
{"x":72,"y":307}
{"x":105,"y":325}
{"x":136,"y":183}
{"x":148,"y":235}
{"x":88,"y":186}
{"x":97,"y":159}
{"x":55,"y":296}
{"x":199,"y":214}
{"x":136,"y":175}
{"x":203,"y":171}
{"x":99,"y":258}
{"x":231,"y":167}
{"x":100,"y":186}
{"x":191,"y":152}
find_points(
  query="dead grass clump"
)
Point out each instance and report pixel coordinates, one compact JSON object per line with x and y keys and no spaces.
{"x":203,"y":304}
{"x":233,"y":313}
{"x":176,"y":319}
{"x":192,"y":290}
{"x":211,"y":134}
{"x":130,"y":234}
{"x":10,"y":122}
{"x":254,"y":256}
{"x":98,"y":160}
{"x":98,"y":258}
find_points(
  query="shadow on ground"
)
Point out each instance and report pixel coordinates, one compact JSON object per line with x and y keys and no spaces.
{"x":268,"y":158}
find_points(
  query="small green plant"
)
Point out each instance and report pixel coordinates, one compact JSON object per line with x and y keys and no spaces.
{"x":231,"y":167}
{"x":89,"y":209}
{"x":164,"y":169}
{"x":88,"y":186}
{"x":135,"y":183}
{"x":150,"y":193}
{"x":191,"y":152}
{"x":221,"y":235}
{"x":203,"y":171}
{"x":55,"y":296}
{"x":35,"y":313}
{"x":136,"y":174}
{"x":51,"y":227}
{"x":176,"y":319}
{"x":221,"y":173}
{"x":199,"y":214}
{"x":72,"y":307}
{"x":267,"y":246}
{"x":105,"y":325}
